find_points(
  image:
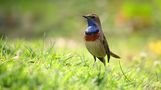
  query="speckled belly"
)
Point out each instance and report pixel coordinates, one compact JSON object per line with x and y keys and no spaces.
{"x":96,"y":48}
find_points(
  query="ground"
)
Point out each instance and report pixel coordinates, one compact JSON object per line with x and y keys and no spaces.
{"x":39,"y":64}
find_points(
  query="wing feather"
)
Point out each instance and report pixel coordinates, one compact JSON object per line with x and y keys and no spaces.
{"x":105,"y":44}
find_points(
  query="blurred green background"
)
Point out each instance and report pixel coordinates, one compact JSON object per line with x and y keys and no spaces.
{"x":60,"y":18}
{"x":132,"y":21}
{"x":41,"y":45}
{"x":125,"y":23}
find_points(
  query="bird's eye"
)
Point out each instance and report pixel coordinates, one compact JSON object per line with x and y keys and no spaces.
{"x":93,"y":17}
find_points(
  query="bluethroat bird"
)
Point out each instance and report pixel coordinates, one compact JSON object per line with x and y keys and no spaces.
{"x":95,"y":39}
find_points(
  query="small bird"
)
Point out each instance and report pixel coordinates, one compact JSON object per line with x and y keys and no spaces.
{"x":95,"y":39}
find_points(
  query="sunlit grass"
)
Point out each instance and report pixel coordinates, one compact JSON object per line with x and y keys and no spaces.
{"x":37,"y":65}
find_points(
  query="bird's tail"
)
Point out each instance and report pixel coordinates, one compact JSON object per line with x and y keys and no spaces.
{"x":114,"y":55}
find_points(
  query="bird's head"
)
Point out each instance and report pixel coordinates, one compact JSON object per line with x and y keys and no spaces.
{"x":93,"y":24}
{"x":92,"y":19}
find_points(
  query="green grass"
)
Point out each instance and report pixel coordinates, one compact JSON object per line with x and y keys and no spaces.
{"x":32,"y":65}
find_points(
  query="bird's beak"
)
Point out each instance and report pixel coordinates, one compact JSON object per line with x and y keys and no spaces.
{"x":85,"y":16}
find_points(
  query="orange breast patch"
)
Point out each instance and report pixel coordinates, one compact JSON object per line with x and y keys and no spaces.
{"x":92,"y":37}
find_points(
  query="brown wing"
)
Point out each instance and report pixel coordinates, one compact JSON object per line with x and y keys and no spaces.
{"x":108,"y":52}
{"x":106,"y":48}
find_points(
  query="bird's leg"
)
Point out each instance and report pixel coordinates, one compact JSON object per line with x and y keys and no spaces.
{"x":106,"y":68}
{"x":103,"y":61}
{"x":94,"y":60}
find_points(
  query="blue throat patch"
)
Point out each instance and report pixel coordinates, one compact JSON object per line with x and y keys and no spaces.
{"x":92,"y":28}
{"x":91,"y":22}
